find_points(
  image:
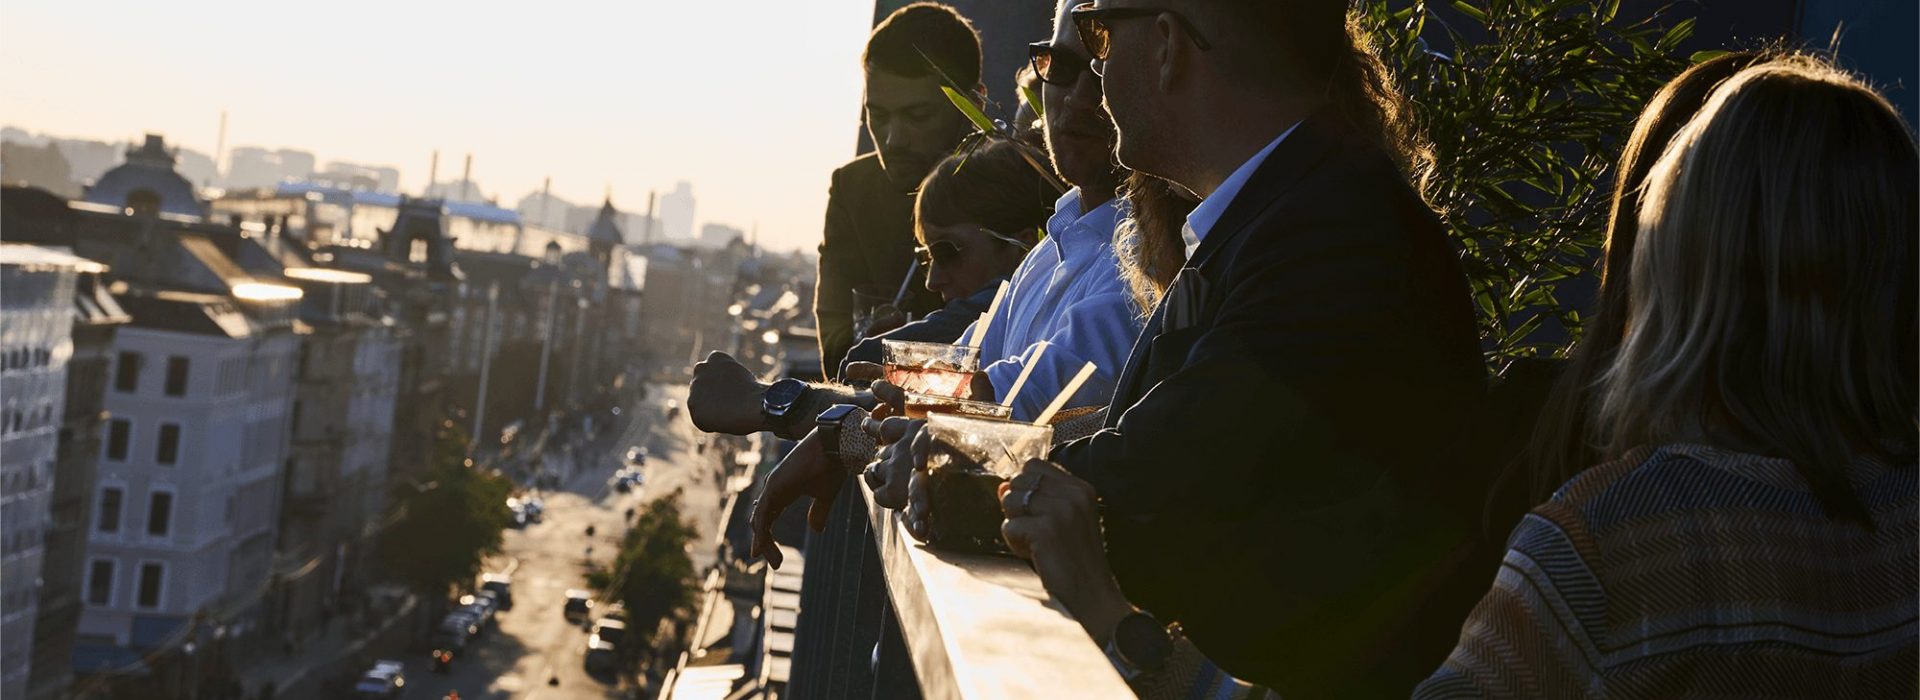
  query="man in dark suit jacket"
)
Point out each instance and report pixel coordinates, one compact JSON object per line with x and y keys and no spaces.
{"x":1274,"y":474}
{"x":869,"y":240}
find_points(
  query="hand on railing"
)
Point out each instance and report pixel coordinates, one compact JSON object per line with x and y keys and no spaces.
{"x":1053,"y":521}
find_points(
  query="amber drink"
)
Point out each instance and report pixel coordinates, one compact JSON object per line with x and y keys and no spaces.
{"x":969,"y":460}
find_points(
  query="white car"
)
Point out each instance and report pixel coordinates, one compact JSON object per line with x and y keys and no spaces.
{"x":386,"y":680}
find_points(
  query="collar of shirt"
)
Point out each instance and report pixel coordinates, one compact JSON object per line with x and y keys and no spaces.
{"x":1071,"y":229}
{"x":1201,"y":221}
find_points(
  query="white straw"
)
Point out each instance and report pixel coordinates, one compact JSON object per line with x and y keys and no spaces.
{"x":1039,"y":349}
{"x":980,"y":333}
{"x":1059,"y":402}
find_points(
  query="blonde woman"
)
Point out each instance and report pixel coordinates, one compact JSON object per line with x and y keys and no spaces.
{"x":1754,"y":535}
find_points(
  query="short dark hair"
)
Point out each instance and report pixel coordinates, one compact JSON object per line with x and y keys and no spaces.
{"x":923,"y":39}
{"x":993,"y":186}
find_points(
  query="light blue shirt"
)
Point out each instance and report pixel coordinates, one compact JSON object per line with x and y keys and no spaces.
{"x":1067,"y":292}
{"x":1201,"y":221}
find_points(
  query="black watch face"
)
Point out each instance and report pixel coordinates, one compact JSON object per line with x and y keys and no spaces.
{"x":782,"y":394}
{"x":1143,"y":641}
{"x":834,"y":415}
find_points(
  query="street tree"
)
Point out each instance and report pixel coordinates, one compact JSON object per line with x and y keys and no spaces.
{"x":445,"y":525}
{"x":652,"y":575}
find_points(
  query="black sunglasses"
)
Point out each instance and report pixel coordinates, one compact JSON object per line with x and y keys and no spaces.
{"x":1092,"y":24}
{"x":946,"y":252}
{"x":1064,"y":72}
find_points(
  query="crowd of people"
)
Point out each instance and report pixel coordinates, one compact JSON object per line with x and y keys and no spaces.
{"x":1269,"y":486}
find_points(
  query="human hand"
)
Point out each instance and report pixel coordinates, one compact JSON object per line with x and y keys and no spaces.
{"x":805,"y":471}
{"x":863,"y":372}
{"x":1053,"y":522}
{"x":890,"y":396}
{"x":889,"y":475}
{"x":725,"y":397}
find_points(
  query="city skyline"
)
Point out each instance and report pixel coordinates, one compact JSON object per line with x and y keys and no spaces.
{"x":602,"y":100}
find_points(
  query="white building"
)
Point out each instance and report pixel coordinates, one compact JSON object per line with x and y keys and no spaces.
{"x":188,"y":495}
{"x":36,"y":340}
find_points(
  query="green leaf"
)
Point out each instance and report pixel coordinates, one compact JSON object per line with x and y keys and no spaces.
{"x":1704,"y":56}
{"x":967,"y":107}
{"x":1039,"y":108}
{"x":1469,"y":10}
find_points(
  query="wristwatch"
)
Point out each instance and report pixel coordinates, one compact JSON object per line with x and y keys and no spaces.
{"x":780,"y":399}
{"x":1139,"y":644}
{"x":828,"y":425}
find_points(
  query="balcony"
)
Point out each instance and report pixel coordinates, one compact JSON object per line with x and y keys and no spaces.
{"x":889,"y":617}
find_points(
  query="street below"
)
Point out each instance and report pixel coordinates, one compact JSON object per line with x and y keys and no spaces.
{"x":534,"y":653}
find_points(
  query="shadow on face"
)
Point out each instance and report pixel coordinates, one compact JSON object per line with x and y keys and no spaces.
{"x":962,"y":259}
{"x":912,"y":124}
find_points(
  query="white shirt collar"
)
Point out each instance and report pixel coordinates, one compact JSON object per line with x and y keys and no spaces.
{"x":1208,"y":213}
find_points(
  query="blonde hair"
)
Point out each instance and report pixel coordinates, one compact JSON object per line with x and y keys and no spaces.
{"x":1772,"y":296}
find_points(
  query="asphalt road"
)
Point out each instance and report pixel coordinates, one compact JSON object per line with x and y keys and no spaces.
{"x":533,"y":643}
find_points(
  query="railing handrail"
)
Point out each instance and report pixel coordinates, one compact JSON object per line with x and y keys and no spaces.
{"x":983,"y":626}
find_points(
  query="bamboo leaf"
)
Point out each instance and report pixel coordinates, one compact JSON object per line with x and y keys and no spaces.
{"x":1039,"y":108}
{"x":967,"y":107}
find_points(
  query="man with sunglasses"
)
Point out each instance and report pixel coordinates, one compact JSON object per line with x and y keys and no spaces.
{"x":868,"y":244}
{"x":1275,"y":473}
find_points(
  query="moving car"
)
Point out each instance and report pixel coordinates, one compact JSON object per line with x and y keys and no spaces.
{"x":579,"y":604}
{"x":501,"y":585}
{"x":385,"y":681}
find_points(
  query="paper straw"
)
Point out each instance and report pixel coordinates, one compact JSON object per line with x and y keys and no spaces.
{"x":1059,"y":402}
{"x":1039,"y":349}
{"x":986,"y":321}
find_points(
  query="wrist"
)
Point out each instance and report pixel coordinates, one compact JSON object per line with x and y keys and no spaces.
{"x":1104,"y":613}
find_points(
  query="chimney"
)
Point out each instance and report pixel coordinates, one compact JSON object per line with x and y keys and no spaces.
{"x":433,"y":174}
{"x":466,"y":179}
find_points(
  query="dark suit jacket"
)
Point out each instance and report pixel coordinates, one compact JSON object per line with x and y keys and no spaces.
{"x":1275,"y":470}
{"x":868,"y":243}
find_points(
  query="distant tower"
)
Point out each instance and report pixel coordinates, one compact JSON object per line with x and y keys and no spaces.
{"x":676,"y":212}
{"x":605,"y":235}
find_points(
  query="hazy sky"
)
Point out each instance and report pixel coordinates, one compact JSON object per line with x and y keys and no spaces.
{"x":752,"y":101}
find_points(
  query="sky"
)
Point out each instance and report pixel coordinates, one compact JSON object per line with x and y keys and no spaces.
{"x":753,"y":101}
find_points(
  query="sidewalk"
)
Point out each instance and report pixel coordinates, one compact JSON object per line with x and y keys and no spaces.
{"x":321,"y":656}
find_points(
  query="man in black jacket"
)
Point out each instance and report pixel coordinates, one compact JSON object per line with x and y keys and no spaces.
{"x":1274,"y":472}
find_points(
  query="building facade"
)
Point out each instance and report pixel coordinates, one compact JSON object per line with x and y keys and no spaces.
{"x":36,"y":341}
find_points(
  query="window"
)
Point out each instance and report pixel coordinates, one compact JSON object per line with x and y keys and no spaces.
{"x":126,"y":374}
{"x":109,"y":522}
{"x":168,"y":451}
{"x":160,"y":514}
{"x":100,"y":582}
{"x":151,"y":576}
{"x":177,"y":376}
{"x":119,"y":434}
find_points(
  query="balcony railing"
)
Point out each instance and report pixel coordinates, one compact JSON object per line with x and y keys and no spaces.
{"x":884,"y":616}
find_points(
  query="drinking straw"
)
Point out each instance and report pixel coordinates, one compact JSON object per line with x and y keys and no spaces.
{"x":1060,"y":401}
{"x":1039,"y":349}
{"x":986,"y":321}
{"x":900,"y":297}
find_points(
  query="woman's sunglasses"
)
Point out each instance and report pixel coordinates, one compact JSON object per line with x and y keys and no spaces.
{"x":1054,"y":66}
{"x":946,"y":252}
{"x":1093,"y":25}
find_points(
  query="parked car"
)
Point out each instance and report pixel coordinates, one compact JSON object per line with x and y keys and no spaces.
{"x":535,"y":507}
{"x":502,"y":587}
{"x":482,"y":608}
{"x":463,"y":621}
{"x":616,"y":611}
{"x":385,"y":681}
{"x":579,"y":604}
{"x":636,"y":456}
{"x":452,"y":636}
{"x":600,"y":655}
{"x":608,"y":630}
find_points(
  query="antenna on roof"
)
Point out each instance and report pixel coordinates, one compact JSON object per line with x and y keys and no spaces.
{"x":546,"y":190}
{"x":433,"y":174}
{"x":220,"y":149}
{"x":466,"y":180}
